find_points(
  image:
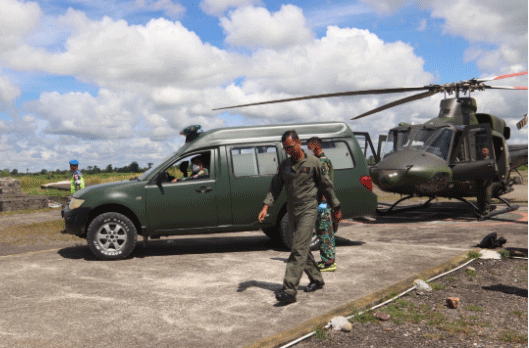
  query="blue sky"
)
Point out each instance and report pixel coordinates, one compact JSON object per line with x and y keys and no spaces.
{"x":114,"y":81}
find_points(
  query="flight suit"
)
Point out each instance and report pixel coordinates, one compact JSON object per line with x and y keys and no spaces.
{"x":301,"y":181}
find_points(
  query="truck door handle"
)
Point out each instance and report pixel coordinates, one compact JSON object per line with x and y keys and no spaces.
{"x":204,"y":189}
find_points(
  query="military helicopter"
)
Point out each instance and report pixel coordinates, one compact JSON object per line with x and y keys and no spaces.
{"x":460,"y":153}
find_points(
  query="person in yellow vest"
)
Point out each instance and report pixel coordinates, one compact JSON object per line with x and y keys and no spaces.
{"x":77,"y":181}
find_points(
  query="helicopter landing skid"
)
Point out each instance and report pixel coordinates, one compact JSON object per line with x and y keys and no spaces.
{"x":482,"y":217}
{"x":391,"y":210}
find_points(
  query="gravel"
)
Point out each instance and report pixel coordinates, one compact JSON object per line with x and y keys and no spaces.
{"x":492,"y":313}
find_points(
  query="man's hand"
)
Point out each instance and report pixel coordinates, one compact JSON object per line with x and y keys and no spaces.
{"x":337,"y":215}
{"x":263,"y":213}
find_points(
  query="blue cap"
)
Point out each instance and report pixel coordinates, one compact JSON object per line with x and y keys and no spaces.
{"x":74,"y":162}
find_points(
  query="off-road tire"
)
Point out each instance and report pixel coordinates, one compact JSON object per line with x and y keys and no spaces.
{"x":273,"y":234}
{"x":286,"y":235}
{"x":111,"y":236}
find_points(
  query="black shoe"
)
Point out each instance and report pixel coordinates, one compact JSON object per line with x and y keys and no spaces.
{"x":284,"y":297}
{"x":313,"y":286}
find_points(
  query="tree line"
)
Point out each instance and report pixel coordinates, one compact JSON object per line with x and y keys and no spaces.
{"x":133,"y":167}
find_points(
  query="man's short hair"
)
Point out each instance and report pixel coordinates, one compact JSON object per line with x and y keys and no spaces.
{"x":289,"y":134}
{"x":314,"y":140}
{"x":197,"y":158}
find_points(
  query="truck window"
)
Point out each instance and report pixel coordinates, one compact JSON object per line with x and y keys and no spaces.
{"x":182,"y":170}
{"x":337,"y":151}
{"x":254,"y":160}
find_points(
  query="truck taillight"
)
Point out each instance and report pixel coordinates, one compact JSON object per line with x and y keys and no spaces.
{"x":366,"y":181}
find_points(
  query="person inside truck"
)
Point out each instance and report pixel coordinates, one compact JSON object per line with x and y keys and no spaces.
{"x":199,"y":171}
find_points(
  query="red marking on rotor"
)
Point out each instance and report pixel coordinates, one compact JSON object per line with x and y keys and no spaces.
{"x":517,"y":87}
{"x":510,"y":75}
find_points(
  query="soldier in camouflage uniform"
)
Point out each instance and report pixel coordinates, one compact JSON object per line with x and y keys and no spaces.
{"x":324,"y":225}
{"x":302,"y":177}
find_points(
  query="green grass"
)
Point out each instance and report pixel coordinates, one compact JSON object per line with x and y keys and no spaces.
{"x":473,"y":254}
{"x":437,"y":286}
{"x":512,"y":337}
{"x":473,"y":308}
{"x":30,"y":184}
{"x":505,"y":254}
{"x":518,"y":313}
{"x":366,"y":317}
{"x":470,"y":273}
{"x":320,"y":334}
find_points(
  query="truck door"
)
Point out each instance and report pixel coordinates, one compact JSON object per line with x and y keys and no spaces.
{"x":185,"y":204}
{"x":251,"y":170}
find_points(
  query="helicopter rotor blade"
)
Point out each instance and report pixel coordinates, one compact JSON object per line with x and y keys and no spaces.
{"x":398,"y":102}
{"x":522,"y":122}
{"x":329,"y":95}
{"x":506,"y":87}
{"x":500,"y":77}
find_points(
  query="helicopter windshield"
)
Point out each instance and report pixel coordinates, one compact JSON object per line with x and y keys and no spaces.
{"x":432,"y":140}
{"x":397,"y":141}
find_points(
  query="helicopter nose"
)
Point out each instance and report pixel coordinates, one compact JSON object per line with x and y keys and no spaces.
{"x":412,"y":173}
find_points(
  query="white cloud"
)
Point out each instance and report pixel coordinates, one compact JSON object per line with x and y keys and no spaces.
{"x":482,"y":22}
{"x":107,"y":116}
{"x":218,"y":7}
{"x":422,"y":25}
{"x":156,"y":78}
{"x":116,"y":54}
{"x":8,"y":91}
{"x":171,"y":8}
{"x":386,"y":7}
{"x":16,"y":20}
{"x":284,"y":28}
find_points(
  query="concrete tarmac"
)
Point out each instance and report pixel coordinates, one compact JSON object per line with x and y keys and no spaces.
{"x":218,"y":290}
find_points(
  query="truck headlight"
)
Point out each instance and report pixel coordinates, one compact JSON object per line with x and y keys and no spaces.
{"x":75,"y":203}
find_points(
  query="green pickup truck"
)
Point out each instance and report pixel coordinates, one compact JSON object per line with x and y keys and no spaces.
{"x":240,"y":163}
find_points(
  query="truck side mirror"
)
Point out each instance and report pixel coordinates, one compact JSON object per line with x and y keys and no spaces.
{"x":160,"y":178}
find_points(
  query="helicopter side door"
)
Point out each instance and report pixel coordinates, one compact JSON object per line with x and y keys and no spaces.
{"x":473,"y":156}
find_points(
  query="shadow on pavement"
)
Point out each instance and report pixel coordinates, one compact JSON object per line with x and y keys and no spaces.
{"x":259,"y":284}
{"x":182,"y":246}
{"x":445,"y":211}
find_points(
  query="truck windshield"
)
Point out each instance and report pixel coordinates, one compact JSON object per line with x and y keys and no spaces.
{"x":155,"y":167}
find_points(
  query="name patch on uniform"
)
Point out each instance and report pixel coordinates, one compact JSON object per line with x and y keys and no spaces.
{"x":305,"y":170}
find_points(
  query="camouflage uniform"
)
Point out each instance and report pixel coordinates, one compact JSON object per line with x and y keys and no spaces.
{"x":324,"y":223}
{"x":301,"y":180}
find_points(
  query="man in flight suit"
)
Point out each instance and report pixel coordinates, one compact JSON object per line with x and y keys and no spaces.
{"x":301,"y":175}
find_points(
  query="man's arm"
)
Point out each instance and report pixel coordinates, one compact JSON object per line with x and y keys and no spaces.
{"x":275,"y":189}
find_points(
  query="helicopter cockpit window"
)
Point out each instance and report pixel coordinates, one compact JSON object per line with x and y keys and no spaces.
{"x":397,"y":141}
{"x":421,"y":138}
{"x":439,"y":144}
{"x":482,"y":150}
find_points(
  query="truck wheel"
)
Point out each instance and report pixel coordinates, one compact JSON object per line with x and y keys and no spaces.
{"x":111,"y":236}
{"x":273,"y":234}
{"x":286,"y":235}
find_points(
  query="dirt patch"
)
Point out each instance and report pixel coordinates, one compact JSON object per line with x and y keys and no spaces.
{"x":35,"y":231}
{"x":492,"y":313}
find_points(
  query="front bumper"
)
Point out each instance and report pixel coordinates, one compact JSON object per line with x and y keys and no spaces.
{"x":75,"y":220}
